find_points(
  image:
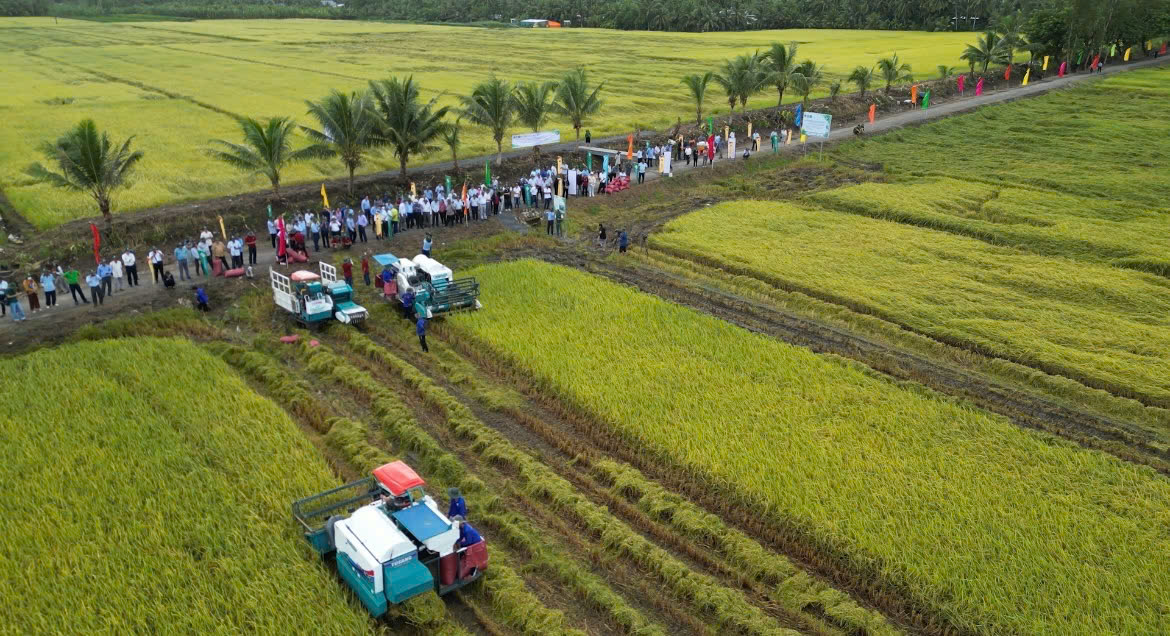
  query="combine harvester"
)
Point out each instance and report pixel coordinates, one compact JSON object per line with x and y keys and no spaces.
{"x":426,"y":287}
{"x":314,"y":300}
{"x":393,"y":543}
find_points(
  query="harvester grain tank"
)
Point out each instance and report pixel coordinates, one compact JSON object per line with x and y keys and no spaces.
{"x":389,"y":539}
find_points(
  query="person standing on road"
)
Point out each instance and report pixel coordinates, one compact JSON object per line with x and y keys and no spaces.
{"x":236,"y":250}
{"x":219,"y":253}
{"x":366,"y":268}
{"x":72,"y":278}
{"x":181,"y":255}
{"x":600,"y":235}
{"x":95,"y":288}
{"x":106,"y":274}
{"x":49,"y":285}
{"x":30,"y":291}
{"x":347,"y":270}
{"x":155,"y":257}
{"x":130,"y":262}
{"x":272,"y":232}
{"x":420,"y":328}
{"x":117,"y":269}
{"x":641,"y":173}
{"x":250,"y":241}
{"x":426,"y":246}
{"x":623,"y":241}
{"x":13,"y":302}
{"x":363,"y":221}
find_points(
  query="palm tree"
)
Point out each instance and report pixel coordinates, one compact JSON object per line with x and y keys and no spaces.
{"x":779,"y":66}
{"x":407,"y":125}
{"x":985,"y":51}
{"x":88,"y":162}
{"x":806,"y":78}
{"x":349,"y":128}
{"x":1008,"y":29}
{"x":753,"y":77}
{"x":834,"y":90}
{"x":532,"y":102}
{"x":266,"y":150}
{"x":740,"y":78}
{"x":945,"y":71}
{"x":575,"y":100}
{"x":490,"y":105}
{"x":894,"y":70}
{"x":863,"y":78}
{"x":450,"y":136}
{"x":697,"y":85}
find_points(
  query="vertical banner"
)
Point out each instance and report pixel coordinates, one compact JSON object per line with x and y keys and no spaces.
{"x":589,"y":162}
{"x":926,"y":100}
{"x":727,"y":133}
{"x":464,"y":197}
{"x":749,"y":135}
{"x":1079,"y":55}
{"x":962,"y":83}
{"x":1127,"y":53}
{"x":630,"y":148}
{"x":872,"y":110}
{"x":1027,"y":74}
{"x":281,"y":236}
{"x":270,"y":210}
{"x":97,"y":244}
{"x":560,"y":167}
{"x":413,"y":192}
{"x":710,"y":125}
{"x":799,"y":118}
{"x":605,"y":164}
{"x":1045,"y":67}
{"x":913,"y":94}
{"x":324,"y":197}
{"x":487,"y":172}
{"x":1007,"y":73}
{"x":448,"y":180}
{"x":221,"y":229}
{"x":1113,"y":51}
{"x":1060,"y":73}
{"x":1163,"y":50}
{"x":979,"y":87}
{"x":1096,"y":59}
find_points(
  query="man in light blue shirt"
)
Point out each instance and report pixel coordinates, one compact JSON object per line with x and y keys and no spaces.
{"x":181,"y":255}
{"x":49,"y":285}
{"x":106,"y":274}
{"x":95,"y":288}
{"x":362,"y":221}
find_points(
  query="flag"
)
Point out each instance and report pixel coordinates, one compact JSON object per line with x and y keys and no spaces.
{"x":221,"y":230}
{"x":962,"y":83}
{"x":1149,"y":44}
{"x":270,"y":210}
{"x":1096,"y":59}
{"x":1027,"y":74}
{"x":448,"y":184}
{"x":1045,"y":68}
{"x":1113,"y":51}
{"x":1063,"y":65}
{"x":281,"y":239}
{"x":464,"y":197}
{"x":926,"y":100}
{"x":979,"y":87}
{"x":803,"y":138}
{"x":914,"y":94}
{"x":1079,"y":54}
{"x":710,"y":125}
{"x":710,"y":147}
{"x":605,"y":164}
{"x":630,"y":149}
{"x":559,"y":166}
{"x":799,"y":115}
{"x":97,"y":244}
{"x":872,"y":108}
{"x":1163,"y":51}
{"x":324,"y":197}
{"x":589,"y":162}
{"x":413,"y":192}
{"x":749,"y":136}
{"x":487,"y":172}
{"x":1007,"y":73}
{"x":1127,"y":53}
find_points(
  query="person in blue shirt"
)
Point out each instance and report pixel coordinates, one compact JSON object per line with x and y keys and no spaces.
{"x":181,"y":255}
{"x":427,"y":245}
{"x":49,"y":285}
{"x":106,"y":274}
{"x":95,"y":288}
{"x":420,"y":328}
{"x":623,"y":241}
{"x":201,"y":299}
{"x":467,"y":535}
{"x":458,"y":505}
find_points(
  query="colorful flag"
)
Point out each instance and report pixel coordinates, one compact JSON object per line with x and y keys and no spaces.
{"x":1113,"y":51}
{"x":872,"y":108}
{"x":749,"y":135}
{"x":464,"y":197}
{"x":799,"y":115}
{"x":914,"y":94}
{"x":1149,"y":44}
{"x":413,"y":192}
{"x":710,"y":125}
{"x":448,"y":184}
{"x":270,"y":210}
{"x":1127,"y":53}
{"x":1096,"y":59}
{"x":710,"y":147}
{"x":605,"y":164}
{"x":1060,"y":73}
{"x":962,"y":83}
{"x":97,"y":243}
{"x":1027,"y":74}
{"x":1045,"y":67}
{"x":324,"y":197}
{"x":803,"y":138}
{"x":487,"y":172}
{"x":589,"y":162}
{"x":221,"y":229}
{"x":979,"y":87}
{"x":1079,"y":54}
{"x":281,"y":238}
{"x":630,"y":149}
{"x":926,"y":100}
{"x":1163,"y":51}
{"x":1007,"y":73}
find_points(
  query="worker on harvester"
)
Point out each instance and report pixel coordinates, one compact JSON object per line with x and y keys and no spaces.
{"x":458,"y":505}
{"x":468,"y":536}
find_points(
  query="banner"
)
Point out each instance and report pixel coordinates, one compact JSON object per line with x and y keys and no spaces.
{"x":528,"y":140}
{"x":1027,"y":74}
{"x":803,"y":138}
{"x":487,"y":172}
{"x":872,"y":109}
{"x":464,"y":197}
{"x":413,"y":192}
{"x":1079,"y":55}
{"x":448,"y":184}
{"x":962,"y":83}
{"x":914,"y":94}
{"x":270,"y":210}
{"x":710,"y":125}
{"x":221,"y":230}
{"x":979,"y":87}
{"x":816,"y":125}
{"x":324,"y":197}
{"x":97,"y":244}
{"x":1045,"y":67}
{"x":1163,"y":50}
{"x":799,"y":115}
{"x":630,"y":148}
{"x":281,"y":237}
{"x":1096,"y":60}
{"x":1127,"y":53}
{"x":589,"y":162}
{"x":560,"y":166}
{"x":605,"y":164}
{"x":926,"y":100}
{"x":710,"y":147}
{"x":1007,"y":73}
{"x":1113,"y":51}
{"x":1060,"y":73}
{"x":749,"y":136}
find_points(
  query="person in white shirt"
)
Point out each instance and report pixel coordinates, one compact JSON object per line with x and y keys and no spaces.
{"x":116,"y":268}
{"x":271,"y":232}
{"x":483,"y":204}
{"x":129,"y":261}
{"x":236,"y":250}
{"x":155,"y":257}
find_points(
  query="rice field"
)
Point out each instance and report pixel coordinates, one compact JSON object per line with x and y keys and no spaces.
{"x":176,"y":85}
{"x":992,"y":528}
{"x":147,"y":491}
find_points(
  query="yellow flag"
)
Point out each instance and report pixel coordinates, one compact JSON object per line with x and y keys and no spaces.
{"x":1149,"y":44}
{"x":221,"y":230}
{"x":1045,"y":68}
{"x":1027,"y":74}
{"x":413,"y":192}
{"x":1127,"y":53}
{"x":749,"y":135}
{"x":803,"y":138}
{"x":324,"y":197}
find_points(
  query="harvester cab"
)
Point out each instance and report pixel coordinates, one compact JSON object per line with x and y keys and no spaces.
{"x":389,"y":539}
{"x":345,"y":310}
{"x":426,"y":287}
{"x":302,"y":295}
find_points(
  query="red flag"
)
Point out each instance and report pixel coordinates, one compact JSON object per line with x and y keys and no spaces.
{"x":872,"y":108}
{"x":711,"y":148}
{"x":1063,"y":65}
{"x":1007,"y":73}
{"x":280,"y":237}
{"x":630,"y":150}
{"x":97,"y":243}
{"x":1163,"y":51}
{"x":979,"y":87}
{"x":962,"y":83}
{"x":1096,"y":59}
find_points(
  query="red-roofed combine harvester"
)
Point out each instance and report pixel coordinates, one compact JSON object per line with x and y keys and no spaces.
{"x":389,"y":538}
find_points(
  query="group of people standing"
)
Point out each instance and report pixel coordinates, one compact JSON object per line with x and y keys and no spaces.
{"x":102,"y":281}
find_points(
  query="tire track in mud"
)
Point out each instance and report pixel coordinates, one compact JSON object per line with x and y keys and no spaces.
{"x":1028,"y":410}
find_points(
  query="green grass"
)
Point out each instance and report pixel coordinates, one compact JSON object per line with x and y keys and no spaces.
{"x":147,"y":491}
{"x":989,"y":528}
{"x":215,"y":69}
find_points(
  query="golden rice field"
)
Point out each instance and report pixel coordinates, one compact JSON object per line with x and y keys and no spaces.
{"x":176,"y":85}
{"x":994,"y":528}
{"x":147,"y":491}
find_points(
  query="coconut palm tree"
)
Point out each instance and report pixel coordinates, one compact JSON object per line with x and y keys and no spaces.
{"x":945,"y":71}
{"x":863,"y":78}
{"x":349,"y":128}
{"x":834,"y":90}
{"x":806,"y":78}
{"x":490,"y":105}
{"x":88,"y":162}
{"x":1008,"y":29}
{"x":574,"y":99}
{"x":894,"y":70}
{"x":450,"y":136}
{"x":532,"y":102}
{"x":986,"y":51}
{"x":407,"y":125}
{"x":779,"y":64}
{"x":697,"y":85}
{"x":266,"y":150}
{"x":754,"y":78}
{"x":741,"y":78}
